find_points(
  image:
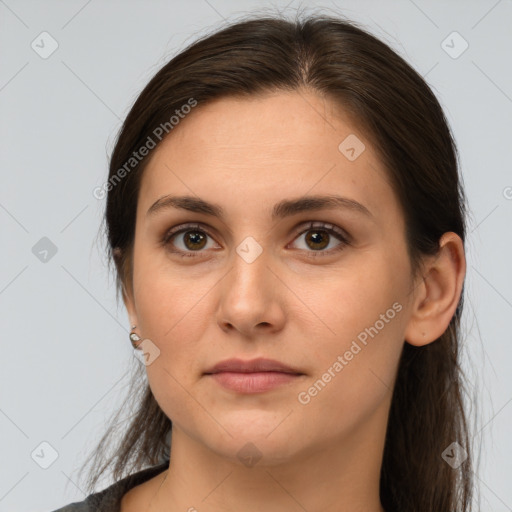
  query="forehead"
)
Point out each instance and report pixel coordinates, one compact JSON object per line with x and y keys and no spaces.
{"x":264,"y":148}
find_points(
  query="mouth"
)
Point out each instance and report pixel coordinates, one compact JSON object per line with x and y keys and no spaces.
{"x":253,"y":382}
{"x":255,"y":376}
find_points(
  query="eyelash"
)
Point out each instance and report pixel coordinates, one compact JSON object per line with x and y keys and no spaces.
{"x":320,"y":226}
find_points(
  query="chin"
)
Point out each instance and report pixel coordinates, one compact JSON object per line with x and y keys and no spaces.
{"x":256,"y":439}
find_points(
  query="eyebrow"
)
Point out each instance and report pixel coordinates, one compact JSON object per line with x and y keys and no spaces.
{"x":285,"y":208}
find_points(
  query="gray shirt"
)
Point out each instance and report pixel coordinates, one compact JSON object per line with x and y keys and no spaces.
{"x":109,"y":500}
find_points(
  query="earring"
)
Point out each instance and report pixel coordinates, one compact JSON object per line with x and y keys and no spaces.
{"x":135,"y":338}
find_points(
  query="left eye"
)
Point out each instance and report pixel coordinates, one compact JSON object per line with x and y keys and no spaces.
{"x":318,"y":237}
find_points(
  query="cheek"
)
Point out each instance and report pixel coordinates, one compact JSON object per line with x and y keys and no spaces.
{"x":359,"y":328}
{"x":346,"y":304}
{"x":354,"y":374}
{"x":171,"y":312}
{"x":171,"y":303}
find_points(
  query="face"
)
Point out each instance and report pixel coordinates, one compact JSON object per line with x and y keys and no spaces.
{"x":330,"y":301}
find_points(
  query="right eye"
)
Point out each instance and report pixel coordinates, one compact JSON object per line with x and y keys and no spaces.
{"x":191,"y":237}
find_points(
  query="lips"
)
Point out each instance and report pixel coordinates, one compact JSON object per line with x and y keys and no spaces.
{"x":256,"y":376}
{"x":253,"y":382}
{"x":252,"y":366}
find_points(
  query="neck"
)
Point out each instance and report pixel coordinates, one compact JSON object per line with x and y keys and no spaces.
{"x":342,"y":475}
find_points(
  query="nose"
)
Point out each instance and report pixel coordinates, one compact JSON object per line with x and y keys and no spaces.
{"x":252,"y":298}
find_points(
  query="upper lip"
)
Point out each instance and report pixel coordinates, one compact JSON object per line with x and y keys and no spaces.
{"x":254,"y":365}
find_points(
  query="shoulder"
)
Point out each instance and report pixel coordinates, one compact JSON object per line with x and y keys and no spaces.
{"x":109,"y":499}
{"x":78,"y":506}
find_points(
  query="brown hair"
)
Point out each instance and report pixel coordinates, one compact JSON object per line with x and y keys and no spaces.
{"x":406,"y":125}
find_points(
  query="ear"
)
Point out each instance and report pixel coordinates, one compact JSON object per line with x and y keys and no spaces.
{"x":126,"y":288}
{"x":130,"y":305}
{"x":437,"y":296}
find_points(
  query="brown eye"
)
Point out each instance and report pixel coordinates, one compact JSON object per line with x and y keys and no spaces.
{"x":317,"y":239}
{"x":186,"y":241}
{"x":194,"y":241}
{"x":319,"y":236}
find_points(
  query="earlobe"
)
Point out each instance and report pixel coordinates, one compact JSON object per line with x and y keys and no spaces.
{"x":439,"y":293}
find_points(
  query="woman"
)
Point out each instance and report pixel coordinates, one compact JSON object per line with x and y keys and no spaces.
{"x":287,"y":220}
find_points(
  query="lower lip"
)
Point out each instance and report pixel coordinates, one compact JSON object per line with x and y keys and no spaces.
{"x":256,"y":382}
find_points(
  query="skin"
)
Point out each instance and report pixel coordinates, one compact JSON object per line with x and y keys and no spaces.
{"x":326,"y":455}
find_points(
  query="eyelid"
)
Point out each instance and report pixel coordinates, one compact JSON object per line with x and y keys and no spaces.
{"x":324,"y":225}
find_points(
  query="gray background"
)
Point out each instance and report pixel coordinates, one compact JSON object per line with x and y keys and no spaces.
{"x":67,"y":358}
